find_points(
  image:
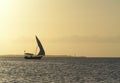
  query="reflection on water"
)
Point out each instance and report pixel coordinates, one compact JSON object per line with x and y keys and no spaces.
{"x":59,"y":70}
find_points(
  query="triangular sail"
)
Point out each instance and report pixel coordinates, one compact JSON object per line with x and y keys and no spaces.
{"x":41,"y":52}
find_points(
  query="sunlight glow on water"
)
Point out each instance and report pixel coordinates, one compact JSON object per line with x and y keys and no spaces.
{"x":59,"y":70}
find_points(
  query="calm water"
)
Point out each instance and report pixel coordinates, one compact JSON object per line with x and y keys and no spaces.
{"x":60,"y":70}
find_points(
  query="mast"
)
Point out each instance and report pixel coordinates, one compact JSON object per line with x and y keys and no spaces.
{"x":36,"y":50}
{"x":41,"y":52}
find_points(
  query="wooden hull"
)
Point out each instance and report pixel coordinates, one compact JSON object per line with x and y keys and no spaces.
{"x":35,"y":57}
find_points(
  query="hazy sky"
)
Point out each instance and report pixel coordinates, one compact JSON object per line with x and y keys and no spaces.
{"x":70,"y":27}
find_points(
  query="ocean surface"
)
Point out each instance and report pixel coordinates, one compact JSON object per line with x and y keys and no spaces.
{"x":59,"y":70}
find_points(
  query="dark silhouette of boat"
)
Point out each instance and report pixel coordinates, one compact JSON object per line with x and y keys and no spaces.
{"x":39,"y":55}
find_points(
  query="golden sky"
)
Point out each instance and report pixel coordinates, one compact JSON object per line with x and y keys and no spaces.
{"x":68,"y":27}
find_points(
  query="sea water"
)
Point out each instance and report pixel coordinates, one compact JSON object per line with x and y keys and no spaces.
{"x":59,"y":70}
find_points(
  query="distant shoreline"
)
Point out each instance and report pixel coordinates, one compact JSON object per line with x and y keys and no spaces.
{"x":57,"y":56}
